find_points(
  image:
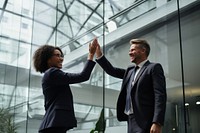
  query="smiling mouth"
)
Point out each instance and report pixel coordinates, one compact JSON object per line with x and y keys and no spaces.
{"x":60,"y":64}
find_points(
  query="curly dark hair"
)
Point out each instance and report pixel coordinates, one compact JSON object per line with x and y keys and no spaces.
{"x":41,"y":56}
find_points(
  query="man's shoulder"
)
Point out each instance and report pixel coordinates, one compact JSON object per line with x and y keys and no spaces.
{"x":152,"y":63}
{"x":130,"y":66}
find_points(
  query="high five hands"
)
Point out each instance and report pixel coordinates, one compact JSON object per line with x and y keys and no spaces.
{"x":94,"y":47}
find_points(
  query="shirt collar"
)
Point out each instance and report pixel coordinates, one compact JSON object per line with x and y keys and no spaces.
{"x":142,"y":63}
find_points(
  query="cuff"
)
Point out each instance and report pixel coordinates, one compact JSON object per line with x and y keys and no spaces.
{"x":99,"y":57}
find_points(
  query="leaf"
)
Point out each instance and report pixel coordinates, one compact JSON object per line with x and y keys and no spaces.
{"x":6,"y":122}
{"x":100,"y":124}
{"x":92,"y":131}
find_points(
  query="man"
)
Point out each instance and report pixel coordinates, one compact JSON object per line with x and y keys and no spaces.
{"x":142,"y":99}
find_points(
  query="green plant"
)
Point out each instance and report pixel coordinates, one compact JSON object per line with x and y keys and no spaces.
{"x":100,"y":125}
{"x":6,"y":122}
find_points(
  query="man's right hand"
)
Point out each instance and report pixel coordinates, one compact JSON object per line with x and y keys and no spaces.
{"x":98,"y":49}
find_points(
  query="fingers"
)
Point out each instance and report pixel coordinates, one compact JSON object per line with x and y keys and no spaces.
{"x":92,"y":48}
{"x":90,"y":45}
{"x":95,"y":42}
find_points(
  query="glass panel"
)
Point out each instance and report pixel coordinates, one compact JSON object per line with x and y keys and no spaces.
{"x":41,"y":34}
{"x":8,"y":50}
{"x":26,"y":30}
{"x":2,"y":3}
{"x":44,"y":13}
{"x":52,"y":3}
{"x":88,"y":97}
{"x":8,"y":28}
{"x":27,"y":8}
{"x":14,"y":6}
{"x":190,"y":46}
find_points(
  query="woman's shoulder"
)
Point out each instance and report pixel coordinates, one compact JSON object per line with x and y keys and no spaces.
{"x":52,"y":71}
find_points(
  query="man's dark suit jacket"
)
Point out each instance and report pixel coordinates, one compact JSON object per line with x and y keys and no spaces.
{"x":59,"y":110}
{"x":148,"y":92}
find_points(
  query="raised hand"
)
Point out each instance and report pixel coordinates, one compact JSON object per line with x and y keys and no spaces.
{"x":98,"y":51}
{"x":93,"y":46}
{"x":92,"y":49}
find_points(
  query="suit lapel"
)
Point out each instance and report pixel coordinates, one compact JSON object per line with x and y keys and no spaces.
{"x":141,"y":71}
{"x":127,"y":76}
{"x":129,"y":72}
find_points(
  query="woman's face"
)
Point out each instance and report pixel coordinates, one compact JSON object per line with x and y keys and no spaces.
{"x":56,"y":60}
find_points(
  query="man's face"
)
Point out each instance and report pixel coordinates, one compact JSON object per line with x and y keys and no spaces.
{"x":136,"y":53}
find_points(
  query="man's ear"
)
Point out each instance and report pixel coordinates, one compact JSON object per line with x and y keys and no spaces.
{"x":143,"y":50}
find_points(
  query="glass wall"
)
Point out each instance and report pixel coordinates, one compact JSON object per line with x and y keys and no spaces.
{"x":170,"y":26}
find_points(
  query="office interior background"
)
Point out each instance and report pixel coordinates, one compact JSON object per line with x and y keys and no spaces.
{"x":172,"y":27}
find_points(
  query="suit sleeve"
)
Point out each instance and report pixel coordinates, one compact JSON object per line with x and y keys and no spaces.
{"x":159,"y":86}
{"x":110,"y":69}
{"x":60,"y":78}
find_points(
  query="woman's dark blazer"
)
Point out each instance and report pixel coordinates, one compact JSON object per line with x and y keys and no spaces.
{"x":148,"y":92}
{"x":59,"y":110}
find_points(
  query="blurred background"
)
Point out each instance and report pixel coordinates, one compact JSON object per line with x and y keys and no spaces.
{"x":170,"y":26}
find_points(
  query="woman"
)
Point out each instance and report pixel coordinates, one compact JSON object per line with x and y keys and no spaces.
{"x":59,"y":111}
